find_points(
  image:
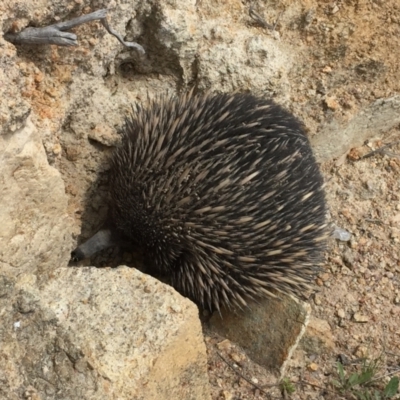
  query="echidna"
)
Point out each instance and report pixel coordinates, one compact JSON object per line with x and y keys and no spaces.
{"x":223,"y":193}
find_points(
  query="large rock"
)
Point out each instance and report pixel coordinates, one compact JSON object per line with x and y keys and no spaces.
{"x":34,"y":229}
{"x":100,"y":334}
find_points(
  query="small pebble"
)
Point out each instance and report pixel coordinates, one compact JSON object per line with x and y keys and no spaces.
{"x":341,"y":234}
{"x":313,"y":367}
{"x":361,"y":352}
{"x":331,"y":103}
{"x":224,"y":345}
{"x":226,"y":395}
{"x":236,"y":357}
{"x":358,"y":317}
{"x":341,"y":313}
{"x":334,"y":8}
{"x":56,"y":149}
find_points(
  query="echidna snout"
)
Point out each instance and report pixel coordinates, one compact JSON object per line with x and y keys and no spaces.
{"x":223,"y":193}
{"x":100,"y":241}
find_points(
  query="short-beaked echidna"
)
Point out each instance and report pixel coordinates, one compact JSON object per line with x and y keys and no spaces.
{"x":223,"y":192}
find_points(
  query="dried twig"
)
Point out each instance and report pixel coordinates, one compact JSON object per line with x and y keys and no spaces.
{"x":381,"y":150}
{"x":395,"y":371}
{"x":374,"y":221}
{"x":56,"y":33}
{"x":260,"y":20}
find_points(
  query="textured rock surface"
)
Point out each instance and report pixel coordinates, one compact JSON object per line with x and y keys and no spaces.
{"x":100,"y":334}
{"x":33,"y":211}
{"x":374,"y":120}
{"x":269,"y":332}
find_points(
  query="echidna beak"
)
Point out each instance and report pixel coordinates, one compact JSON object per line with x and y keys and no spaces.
{"x":77,"y":255}
{"x":100,"y":241}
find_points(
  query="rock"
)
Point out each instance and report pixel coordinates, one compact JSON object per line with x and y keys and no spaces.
{"x":358,"y":317}
{"x":243,"y":60}
{"x":101,"y":334}
{"x":34,"y":229}
{"x":331,"y":103}
{"x":269,"y":331}
{"x":334,"y":140}
{"x":14,"y":109}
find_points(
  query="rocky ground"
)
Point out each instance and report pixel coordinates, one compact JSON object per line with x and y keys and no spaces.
{"x":346,"y":57}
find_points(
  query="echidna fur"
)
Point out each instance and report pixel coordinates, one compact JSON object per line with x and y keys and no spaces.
{"x":223,"y":193}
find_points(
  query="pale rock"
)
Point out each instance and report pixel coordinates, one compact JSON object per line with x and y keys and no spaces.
{"x":100,"y":334}
{"x":33,"y":206}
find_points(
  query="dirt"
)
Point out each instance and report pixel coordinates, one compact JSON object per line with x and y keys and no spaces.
{"x":355,"y":61}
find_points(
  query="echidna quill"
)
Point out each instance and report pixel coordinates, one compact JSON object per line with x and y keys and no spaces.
{"x":223,"y":193}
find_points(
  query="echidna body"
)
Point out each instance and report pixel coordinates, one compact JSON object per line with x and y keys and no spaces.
{"x":223,"y":193}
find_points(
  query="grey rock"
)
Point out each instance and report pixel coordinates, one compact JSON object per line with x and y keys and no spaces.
{"x":269,"y":332}
{"x":334,"y":140}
